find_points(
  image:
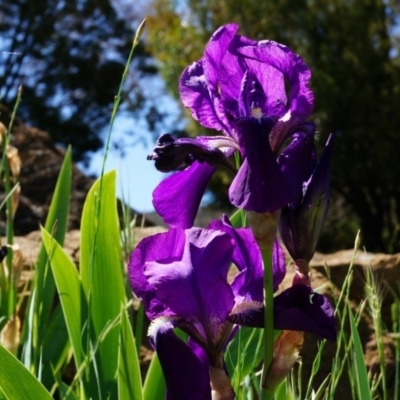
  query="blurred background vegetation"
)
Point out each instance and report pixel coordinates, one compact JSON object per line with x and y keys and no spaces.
{"x":69,"y":56}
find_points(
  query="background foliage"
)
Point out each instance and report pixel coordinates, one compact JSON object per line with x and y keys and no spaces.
{"x":70,"y":56}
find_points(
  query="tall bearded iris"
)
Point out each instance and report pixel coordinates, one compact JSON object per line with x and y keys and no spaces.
{"x":181,"y":276}
{"x":239,"y":88}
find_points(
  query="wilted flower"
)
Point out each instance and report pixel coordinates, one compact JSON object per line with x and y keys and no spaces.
{"x":181,"y":276}
{"x":238,"y":88}
{"x":286,"y":352}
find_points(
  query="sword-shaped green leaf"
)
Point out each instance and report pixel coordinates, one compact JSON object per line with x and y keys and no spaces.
{"x":129,"y":377}
{"x":102,"y":277}
{"x":16,"y":382}
{"x":69,"y":288}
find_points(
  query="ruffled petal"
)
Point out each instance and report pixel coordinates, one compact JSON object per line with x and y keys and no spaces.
{"x":186,"y":374}
{"x":297,"y":73}
{"x":196,"y":96}
{"x":177,"y":198}
{"x":271,"y":79}
{"x":294,"y":69}
{"x":196,"y":287}
{"x":162,"y":246}
{"x":215,"y":52}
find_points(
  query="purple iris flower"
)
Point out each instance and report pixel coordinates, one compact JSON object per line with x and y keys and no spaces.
{"x":181,"y":277}
{"x":301,"y":221}
{"x":237,"y":88}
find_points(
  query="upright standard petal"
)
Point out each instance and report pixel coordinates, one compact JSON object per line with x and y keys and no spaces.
{"x":271,"y":79}
{"x":196,"y":95}
{"x":296,"y":71}
{"x":214,"y":54}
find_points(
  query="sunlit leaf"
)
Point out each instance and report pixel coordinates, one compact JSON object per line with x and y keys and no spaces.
{"x":154,"y":384}
{"x":129,"y":378}
{"x":70,"y":291}
{"x":102,"y":276}
{"x":16,"y":382}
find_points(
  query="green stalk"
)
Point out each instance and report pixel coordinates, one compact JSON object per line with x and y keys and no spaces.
{"x":9,"y":215}
{"x":267,"y":394}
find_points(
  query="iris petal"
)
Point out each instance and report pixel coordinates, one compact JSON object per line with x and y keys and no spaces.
{"x":296,"y":309}
{"x":163,"y":246}
{"x":300,"y":309}
{"x":260,"y":185}
{"x":214,"y":54}
{"x":278,"y":265}
{"x":248,"y":283}
{"x":195,"y":94}
{"x":190,"y":286}
{"x":177,"y":198}
{"x":186,"y":374}
{"x":296,"y":71}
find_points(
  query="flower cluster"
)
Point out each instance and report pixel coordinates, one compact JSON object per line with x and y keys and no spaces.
{"x":240,"y":88}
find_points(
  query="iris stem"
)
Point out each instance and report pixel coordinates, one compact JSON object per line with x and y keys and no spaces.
{"x":267,"y":394}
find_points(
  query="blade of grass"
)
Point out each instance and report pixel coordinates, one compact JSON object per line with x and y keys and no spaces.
{"x":8,"y":298}
{"x":245,"y":352}
{"x":360,"y":369}
{"x":238,"y":219}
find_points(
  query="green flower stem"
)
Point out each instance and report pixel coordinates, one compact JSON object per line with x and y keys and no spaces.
{"x":267,"y":394}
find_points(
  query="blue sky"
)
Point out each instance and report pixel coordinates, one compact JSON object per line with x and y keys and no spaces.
{"x":136,"y":177}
